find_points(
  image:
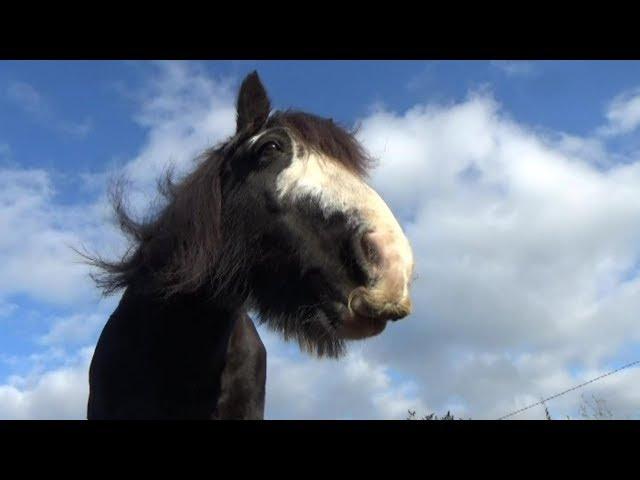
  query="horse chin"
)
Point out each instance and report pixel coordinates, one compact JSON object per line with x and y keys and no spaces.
{"x":315,"y":330}
{"x":324,"y":330}
{"x":355,"y":327}
{"x":348,"y":325}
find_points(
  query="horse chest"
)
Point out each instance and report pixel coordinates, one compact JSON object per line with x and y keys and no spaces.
{"x":159,"y":361}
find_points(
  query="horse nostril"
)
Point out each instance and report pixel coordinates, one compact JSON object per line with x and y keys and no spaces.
{"x":398,"y":315}
{"x":369,"y":249}
{"x":360,"y":304}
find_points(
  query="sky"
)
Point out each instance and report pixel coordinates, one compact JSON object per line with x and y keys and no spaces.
{"x":517,"y":183}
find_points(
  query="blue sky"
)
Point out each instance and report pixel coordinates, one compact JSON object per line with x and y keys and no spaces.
{"x":568,"y":96}
{"x":559,"y":95}
{"x":555,"y":136}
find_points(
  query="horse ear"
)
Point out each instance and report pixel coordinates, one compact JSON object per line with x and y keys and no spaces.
{"x":253,"y":104}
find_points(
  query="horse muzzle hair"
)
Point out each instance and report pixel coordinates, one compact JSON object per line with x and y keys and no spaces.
{"x":378,"y":246}
{"x":385,"y":256}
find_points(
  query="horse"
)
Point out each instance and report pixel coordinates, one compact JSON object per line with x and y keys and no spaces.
{"x":278,"y":219}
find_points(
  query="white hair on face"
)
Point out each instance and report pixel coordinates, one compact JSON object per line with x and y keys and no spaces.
{"x":337,"y":189}
{"x":255,"y":138}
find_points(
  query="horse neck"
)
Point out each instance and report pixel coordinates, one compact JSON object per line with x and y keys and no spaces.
{"x":161,"y":358}
{"x":192,"y":313}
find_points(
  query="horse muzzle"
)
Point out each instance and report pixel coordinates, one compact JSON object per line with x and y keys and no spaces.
{"x":368,"y":313}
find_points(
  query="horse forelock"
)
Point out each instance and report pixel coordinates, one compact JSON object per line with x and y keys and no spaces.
{"x":325,"y":137}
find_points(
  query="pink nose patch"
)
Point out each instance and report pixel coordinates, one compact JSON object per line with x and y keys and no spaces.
{"x":386,"y":258}
{"x":371,"y":249}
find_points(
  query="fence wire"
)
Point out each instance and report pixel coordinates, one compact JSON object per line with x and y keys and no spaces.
{"x":569,"y":390}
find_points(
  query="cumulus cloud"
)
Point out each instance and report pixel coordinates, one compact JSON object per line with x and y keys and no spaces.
{"x":527,"y":245}
{"x":521,"y":249}
{"x":55,"y":394}
{"x":623,"y":114}
{"x":36,"y":257}
{"x":77,"y":328}
{"x":354,"y":387}
{"x":185,"y":112}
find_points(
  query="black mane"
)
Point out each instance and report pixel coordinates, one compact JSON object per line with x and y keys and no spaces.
{"x":182,"y":247}
{"x":180,"y":344}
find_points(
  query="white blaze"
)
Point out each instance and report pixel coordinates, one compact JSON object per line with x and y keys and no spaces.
{"x":339,"y":190}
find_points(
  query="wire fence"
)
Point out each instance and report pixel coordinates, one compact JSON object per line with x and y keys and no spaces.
{"x":544,"y":400}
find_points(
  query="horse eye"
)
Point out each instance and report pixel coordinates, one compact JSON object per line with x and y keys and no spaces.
{"x":269,"y":147}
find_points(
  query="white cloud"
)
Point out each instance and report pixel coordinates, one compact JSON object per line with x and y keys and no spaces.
{"x":354,"y":387}
{"x":623,"y":114}
{"x":55,"y":394}
{"x":78,"y":328}
{"x":520,"y":249}
{"x":36,"y":257}
{"x":524,"y":242}
{"x":185,"y":112}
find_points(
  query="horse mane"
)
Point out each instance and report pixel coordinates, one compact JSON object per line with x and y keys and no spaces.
{"x":326,"y":137}
{"x":179,"y":248}
{"x":173,"y":250}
